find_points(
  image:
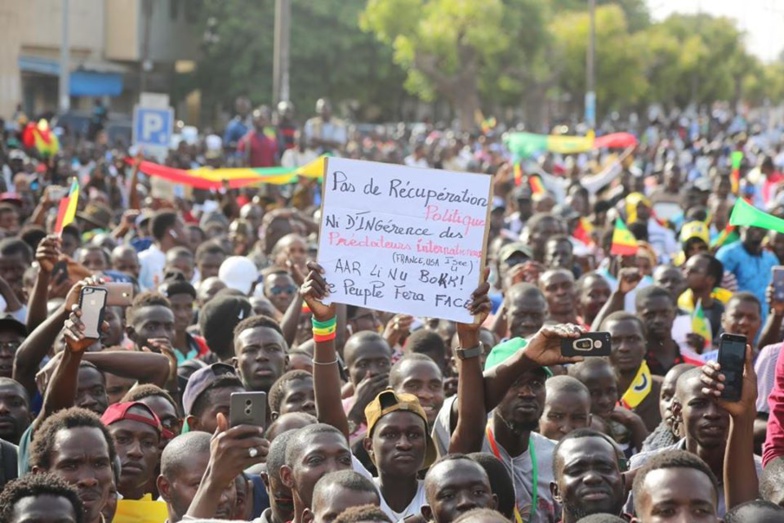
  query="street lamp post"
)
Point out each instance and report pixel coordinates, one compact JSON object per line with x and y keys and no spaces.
{"x":590,"y":81}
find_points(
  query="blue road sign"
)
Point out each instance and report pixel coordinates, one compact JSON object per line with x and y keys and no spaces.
{"x":152,"y":127}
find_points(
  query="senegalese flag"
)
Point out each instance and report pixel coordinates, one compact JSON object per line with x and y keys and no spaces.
{"x":639,"y":389}
{"x":700,"y":324}
{"x":623,"y":241}
{"x":518,"y":174}
{"x":67,"y":210}
{"x":728,"y":235}
{"x":537,"y":187}
{"x":584,"y":231}
{"x":736,"y":158}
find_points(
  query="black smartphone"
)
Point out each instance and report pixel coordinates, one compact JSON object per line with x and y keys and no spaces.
{"x":248,"y":408}
{"x":588,"y":344}
{"x":732,"y":356}
{"x":778,"y":283}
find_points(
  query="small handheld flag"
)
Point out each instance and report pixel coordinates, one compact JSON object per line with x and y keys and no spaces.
{"x":67,"y":210}
{"x":728,"y":235}
{"x":736,"y":158}
{"x":700,"y":325}
{"x":518,"y":174}
{"x":641,"y":386}
{"x":537,"y":187}
{"x":584,"y":231}
{"x":623,"y":241}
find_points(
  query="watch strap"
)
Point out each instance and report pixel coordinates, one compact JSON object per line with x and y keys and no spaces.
{"x":473,"y":352}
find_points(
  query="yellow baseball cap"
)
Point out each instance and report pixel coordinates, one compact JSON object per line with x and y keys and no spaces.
{"x":389,"y":401}
{"x":695,"y":229}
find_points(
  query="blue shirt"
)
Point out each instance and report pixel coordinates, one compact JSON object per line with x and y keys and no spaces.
{"x":752,"y":272}
{"x":234,"y":131}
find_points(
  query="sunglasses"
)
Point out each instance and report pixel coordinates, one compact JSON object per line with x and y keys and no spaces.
{"x":289,"y":289}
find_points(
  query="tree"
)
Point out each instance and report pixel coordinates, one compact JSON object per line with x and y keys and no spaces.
{"x":330,"y":56}
{"x":620,"y":78}
{"x":445,"y":45}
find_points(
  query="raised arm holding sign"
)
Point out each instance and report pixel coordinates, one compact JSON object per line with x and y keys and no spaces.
{"x":403,"y":240}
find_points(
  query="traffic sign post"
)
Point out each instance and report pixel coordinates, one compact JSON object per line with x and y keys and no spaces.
{"x":153,"y":123}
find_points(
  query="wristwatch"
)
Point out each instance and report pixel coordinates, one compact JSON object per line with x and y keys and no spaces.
{"x":474,"y":352}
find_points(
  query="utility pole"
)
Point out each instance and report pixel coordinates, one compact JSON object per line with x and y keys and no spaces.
{"x":145,"y":58}
{"x":65,"y":61}
{"x":280,"y":60}
{"x":590,"y":80}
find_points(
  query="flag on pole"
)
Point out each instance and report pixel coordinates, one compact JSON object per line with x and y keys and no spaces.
{"x":728,"y":235}
{"x":584,"y":231}
{"x":623,"y":241}
{"x":641,"y":386}
{"x":537,"y":187}
{"x":518,"y":174}
{"x":67,"y":210}
{"x":700,"y":325}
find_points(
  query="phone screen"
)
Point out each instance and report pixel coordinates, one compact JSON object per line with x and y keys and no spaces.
{"x":732,"y":353}
{"x":778,"y":283}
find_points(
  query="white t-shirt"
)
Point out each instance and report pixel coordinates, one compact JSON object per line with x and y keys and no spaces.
{"x":152,"y":262}
{"x":520,"y":467}
{"x":415,"y":507}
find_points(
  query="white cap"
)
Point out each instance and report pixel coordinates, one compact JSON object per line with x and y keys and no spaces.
{"x":238,"y":273}
{"x":213,"y":142}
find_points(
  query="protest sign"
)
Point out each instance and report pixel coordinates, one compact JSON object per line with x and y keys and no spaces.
{"x":402,"y":239}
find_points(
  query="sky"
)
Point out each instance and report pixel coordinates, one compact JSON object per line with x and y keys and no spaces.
{"x":762,"y":20}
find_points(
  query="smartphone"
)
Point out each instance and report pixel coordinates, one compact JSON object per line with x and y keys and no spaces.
{"x":119,"y":294}
{"x":248,"y":408}
{"x":732,"y":356}
{"x":778,"y":283}
{"x":92,"y":302}
{"x":588,"y":344}
{"x":60,"y":271}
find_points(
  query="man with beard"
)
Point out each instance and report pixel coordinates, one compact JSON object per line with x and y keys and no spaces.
{"x":75,"y":446}
{"x":705,"y":424}
{"x":558,"y":288}
{"x":588,"y":479}
{"x":749,"y":262}
{"x":183,"y":463}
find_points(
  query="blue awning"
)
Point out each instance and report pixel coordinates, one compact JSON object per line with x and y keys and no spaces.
{"x":82,"y":83}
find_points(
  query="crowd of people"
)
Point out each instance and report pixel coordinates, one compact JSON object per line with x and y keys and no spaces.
{"x":380,"y":417}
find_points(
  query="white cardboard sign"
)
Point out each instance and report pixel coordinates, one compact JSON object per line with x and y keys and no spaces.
{"x":402,"y":239}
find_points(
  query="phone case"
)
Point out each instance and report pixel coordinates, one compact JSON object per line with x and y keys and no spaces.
{"x":778,"y":283}
{"x":248,"y":408}
{"x":732,"y":363}
{"x":120,"y":294}
{"x":92,"y":302}
{"x":588,"y":344}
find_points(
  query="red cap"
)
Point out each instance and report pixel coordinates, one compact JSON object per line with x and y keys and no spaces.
{"x":119,"y":412}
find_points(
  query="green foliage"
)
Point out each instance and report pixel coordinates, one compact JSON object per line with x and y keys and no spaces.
{"x":330,"y":56}
{"x":488,"y":54}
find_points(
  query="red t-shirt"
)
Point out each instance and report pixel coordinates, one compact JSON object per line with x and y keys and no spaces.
{"x":263,"y":150}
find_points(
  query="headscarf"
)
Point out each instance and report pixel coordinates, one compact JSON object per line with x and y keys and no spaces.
{"x":632,"y":201}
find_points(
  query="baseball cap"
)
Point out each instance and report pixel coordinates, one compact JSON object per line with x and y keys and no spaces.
{"x":201,"y":380}
{"x":119,"y":412}
{"x":503,"y":351}
{"x":509,"y":249}
{"x":389,"y":401}
{"x":8,"y":322}
{"x":238,"y":273}
{"x":695,"y":229}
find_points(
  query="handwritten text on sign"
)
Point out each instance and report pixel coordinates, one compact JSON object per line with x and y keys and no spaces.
{"x":401,"y":239}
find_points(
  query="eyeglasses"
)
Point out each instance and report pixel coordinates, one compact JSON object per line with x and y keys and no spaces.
{"x":289,"y":289}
